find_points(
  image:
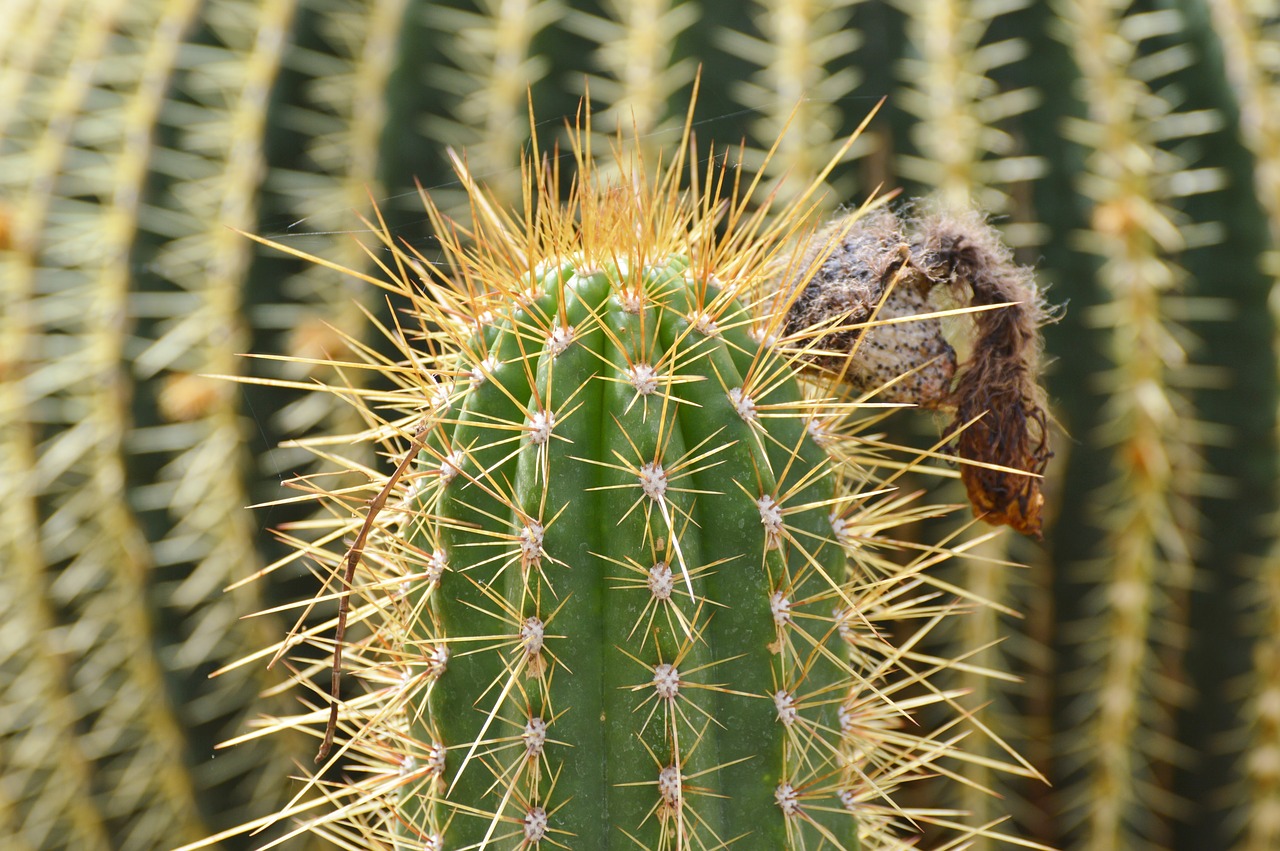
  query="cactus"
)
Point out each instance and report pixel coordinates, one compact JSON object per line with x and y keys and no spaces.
{"x":623,"y":588}
{"x":632,"y":388}
{"x":134,"y":133}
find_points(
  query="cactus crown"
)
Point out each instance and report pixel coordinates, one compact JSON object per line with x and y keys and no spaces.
{"x":633,"y":582}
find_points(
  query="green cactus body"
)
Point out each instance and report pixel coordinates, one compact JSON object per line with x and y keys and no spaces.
{"x":630,"y":639}
{"x":630,"y":584}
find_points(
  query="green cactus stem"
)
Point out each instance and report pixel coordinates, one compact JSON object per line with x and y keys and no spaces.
{"x":627,"y":589}
{"x":618,"y":542}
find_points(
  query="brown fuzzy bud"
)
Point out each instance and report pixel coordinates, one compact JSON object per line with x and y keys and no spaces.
{"x":852,"y":279}
{"x":841,"y":318}
{"x":999,"y":385}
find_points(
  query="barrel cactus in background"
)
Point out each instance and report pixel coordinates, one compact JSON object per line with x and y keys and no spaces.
{"x":1127,"y":149}
{"x":133,"y":135}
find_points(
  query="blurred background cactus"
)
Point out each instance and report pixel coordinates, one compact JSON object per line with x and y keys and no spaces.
{"x":1130,"y":150}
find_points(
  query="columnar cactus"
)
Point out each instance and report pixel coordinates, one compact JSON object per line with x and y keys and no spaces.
{"x":624,"y":588}
{"x":624,"y":533}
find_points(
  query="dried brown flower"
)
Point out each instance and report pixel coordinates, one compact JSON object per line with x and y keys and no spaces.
{"x":1001,"y":417}
{"x":882,"y":267}
{"x":842,"y":317}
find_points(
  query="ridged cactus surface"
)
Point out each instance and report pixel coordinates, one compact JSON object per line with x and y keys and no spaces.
{"x":624,"y":587}
{"x":1128,"y":150}
{"x":699,"y":708}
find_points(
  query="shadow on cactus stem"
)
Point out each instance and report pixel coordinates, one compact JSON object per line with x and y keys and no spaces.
{"x":633,"y":581}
